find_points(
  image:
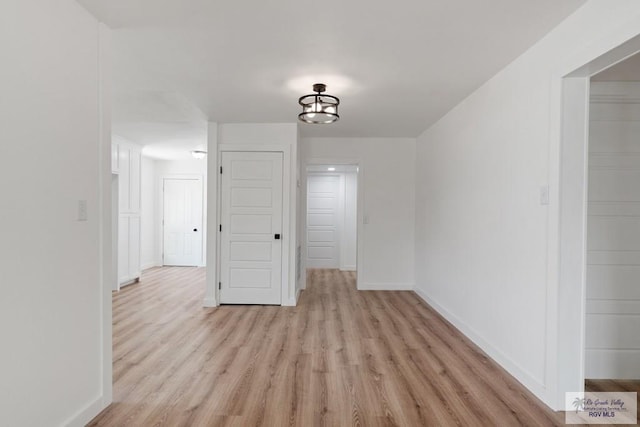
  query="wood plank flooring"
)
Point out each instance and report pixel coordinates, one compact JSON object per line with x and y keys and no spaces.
{"x":613,"y":385}
{"x":616,"y":385}
{"x":341,"y":357}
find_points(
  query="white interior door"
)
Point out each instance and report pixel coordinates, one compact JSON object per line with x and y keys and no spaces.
{"x":323,"y":221}
{"x":251,"y":228}
{"x":182,"y":222}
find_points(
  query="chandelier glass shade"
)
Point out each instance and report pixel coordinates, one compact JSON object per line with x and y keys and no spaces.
{"x":318,"y":108}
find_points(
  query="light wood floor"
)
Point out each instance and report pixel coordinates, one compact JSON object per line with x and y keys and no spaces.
{"x":340,"y":358}
{"x":616,"y":385}
{"x":613,"y":385}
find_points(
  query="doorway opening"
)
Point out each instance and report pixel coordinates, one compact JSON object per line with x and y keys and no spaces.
{"x":612,"y":310}
{"x":576,"y":259}
{"x":331,"y":220}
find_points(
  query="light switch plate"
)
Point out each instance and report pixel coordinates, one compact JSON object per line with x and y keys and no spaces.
{"x":544,"y":195}
{"x":82,"y":210}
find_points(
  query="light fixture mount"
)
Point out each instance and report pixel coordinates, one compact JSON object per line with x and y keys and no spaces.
{"x":198,"y":154}
{"x":318,"y":108}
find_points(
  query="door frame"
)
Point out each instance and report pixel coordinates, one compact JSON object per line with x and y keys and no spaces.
{"x":160,"y":208}
{"x":567,"y":235}
{"x":358,"y":163}
{"x":115,"y":219}
{"x":287,"y":298}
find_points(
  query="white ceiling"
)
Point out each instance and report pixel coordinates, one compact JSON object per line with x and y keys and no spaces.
{"x":624,"y":71}
{"x":396,"y":66}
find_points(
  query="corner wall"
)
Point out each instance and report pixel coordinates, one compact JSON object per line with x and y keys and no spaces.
{"x":486,"y":243}
{"x":149,"y":239}
{"x":52,"y":312}
{"x":386,"y":226}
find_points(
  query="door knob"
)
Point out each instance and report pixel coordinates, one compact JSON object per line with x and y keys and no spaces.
{"x":277,"y":236}
{"x":195,"y":229}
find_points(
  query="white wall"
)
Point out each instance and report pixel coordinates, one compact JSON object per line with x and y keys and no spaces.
{"x":387,"y":180}
{"x":301,"y":212}
{"x":348,"y":247}
{"x":168,"y":169}
{"x":482,"y":235}
{"x":149,"y":192}
{"x":51,"y":310}
{"x":613,"y":243}
{"x":211,"y":217}
{"x":181,"y":167}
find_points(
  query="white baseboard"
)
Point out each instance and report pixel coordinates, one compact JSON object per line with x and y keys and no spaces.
{"x":209,"y":302}
{"x":86,"y":414}
{"x":385,"y":286}
{"x":129,"y":282}
{"x":348,"y":268}
{"x":149,"y":265}
{"x":533,"y":384}
{"x":292,"y":302}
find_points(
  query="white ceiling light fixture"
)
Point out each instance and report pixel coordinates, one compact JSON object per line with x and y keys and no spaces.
{"x":318,"y":108}
{"x":331,"y":169}
{"x":198,"y":154}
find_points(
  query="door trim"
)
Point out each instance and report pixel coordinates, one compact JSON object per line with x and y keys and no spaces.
{"x":567,"y":233}
{"x":160,"y":208}
{"x":288,"y":292}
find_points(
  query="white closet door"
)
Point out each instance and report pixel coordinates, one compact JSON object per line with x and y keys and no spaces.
{"x":323,"y":233}
{"x":129,"y":161}
{"x":182,"y":222}
{"x":251,"y":236}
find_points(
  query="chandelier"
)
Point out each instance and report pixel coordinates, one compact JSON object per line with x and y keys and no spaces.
{"x":318,"y":108}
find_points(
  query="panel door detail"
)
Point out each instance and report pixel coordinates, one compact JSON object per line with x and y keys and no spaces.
{"x":323,"y":233}
{"x":251,"y":228}
{"x":182,"y":222}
